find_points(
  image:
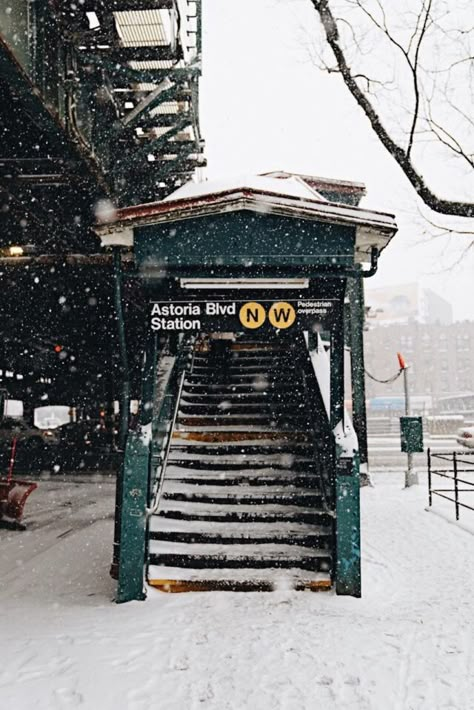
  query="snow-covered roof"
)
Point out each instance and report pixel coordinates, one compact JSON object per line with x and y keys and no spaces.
{"x":324,"y":184}
{"x":288,"y":186}
{"x":285,"y":195}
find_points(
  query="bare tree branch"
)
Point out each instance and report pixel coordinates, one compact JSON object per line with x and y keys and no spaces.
{"x":414,"y":68}
{"x":449,"y":141}
{"x":402,"y":156}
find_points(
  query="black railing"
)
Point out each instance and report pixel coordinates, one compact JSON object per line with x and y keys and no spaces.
{"x":323,"y":439}
{"x":459,"y":462}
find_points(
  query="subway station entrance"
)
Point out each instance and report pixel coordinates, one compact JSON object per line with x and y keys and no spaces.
{"x":243,"y":472}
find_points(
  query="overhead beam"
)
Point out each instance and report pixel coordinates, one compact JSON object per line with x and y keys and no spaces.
{"x":178,"y":148}
{"x":130,"y":5}
{"x":160,"y":120}
{"x":181,"y":164}
{"x":167,"y":171}
{"x":93,"y":260}
{"x":144,"y":54}
{"x":149,"y":76}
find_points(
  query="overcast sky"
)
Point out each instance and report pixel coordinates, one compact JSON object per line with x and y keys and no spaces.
{"x":265,"y":106}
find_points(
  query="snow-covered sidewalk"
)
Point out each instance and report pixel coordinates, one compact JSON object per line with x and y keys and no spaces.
{"x":406,"y":645}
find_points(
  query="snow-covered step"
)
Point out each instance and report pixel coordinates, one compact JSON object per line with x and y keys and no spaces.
{"x":249,"y":448}
{"x":230,"y":378}
{"x":159,"y":524}
{"x":280,"y":552}
{"x":242,"y":492}
{"x":248,"y":435}
{"x":217,"y":419}
{"x":264,"y":469}
{"x":245,"y":356}
{"x":226,"y":407}
{"x":224,"y":477}
{"x":233,"y":537}
{"x":256,"y":347}
{"x":237,"y":403}
{"x":238,"y":556}
{"x":283,"y":459}
{"x":231,"y":428}
{"x":229,"y":496}
{"x":234,"y":366}
{"x":207,"y":397}
{"x":243,"y":511}
{"x":255,"y":387}
{"x":243,"y":464}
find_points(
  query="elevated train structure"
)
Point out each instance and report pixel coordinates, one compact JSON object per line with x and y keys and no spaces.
{"x":91,"y":94}
{"x":243,"y":469}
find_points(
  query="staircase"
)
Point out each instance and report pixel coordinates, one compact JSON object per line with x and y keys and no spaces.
{"x":240,"y":505}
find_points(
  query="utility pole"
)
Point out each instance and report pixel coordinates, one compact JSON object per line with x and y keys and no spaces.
{"x":411,"y":476}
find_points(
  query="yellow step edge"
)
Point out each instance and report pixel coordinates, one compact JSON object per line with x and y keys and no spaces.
{"x":209,"y":420}
{"x":177,"y":586}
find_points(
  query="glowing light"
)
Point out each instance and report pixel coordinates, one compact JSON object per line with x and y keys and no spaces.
{"x":16,"y":251}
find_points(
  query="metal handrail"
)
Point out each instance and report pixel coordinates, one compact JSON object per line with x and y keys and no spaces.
{"x":444,"y":473}
{"x":192,"y":359}
{"x":154,"y":508}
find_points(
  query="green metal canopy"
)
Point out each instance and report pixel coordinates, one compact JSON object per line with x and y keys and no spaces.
{"x":260,"y":221}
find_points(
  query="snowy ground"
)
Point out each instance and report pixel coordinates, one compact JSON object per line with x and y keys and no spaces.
{"x":406,"y":645}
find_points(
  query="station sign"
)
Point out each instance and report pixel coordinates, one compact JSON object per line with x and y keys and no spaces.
{"x":235,"y":316}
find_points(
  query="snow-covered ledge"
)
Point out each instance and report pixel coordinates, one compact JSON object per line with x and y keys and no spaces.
{"x":122,"y":237}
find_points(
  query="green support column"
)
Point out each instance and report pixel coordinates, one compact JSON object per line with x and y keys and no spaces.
{"x":125,"y":390}
{"x":355,"y":289}
{"x":348,"y":577}
{"x":136,"y":468}
{"x":347,"y":571}
{"x":133,"y":495}
{"x":124,"y":406}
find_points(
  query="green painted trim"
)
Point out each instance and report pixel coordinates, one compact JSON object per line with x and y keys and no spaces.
{"x":244,"y":238}
{"x":355,"y":288}
{"x":348,"y":571}
{"x":136,"y":468}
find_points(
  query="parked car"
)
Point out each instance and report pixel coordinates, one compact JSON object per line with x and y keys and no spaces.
{"x":30,"y":437}
{"x":465,"y":436}
{"x":85,"y":436}
{"x":34,"y":446}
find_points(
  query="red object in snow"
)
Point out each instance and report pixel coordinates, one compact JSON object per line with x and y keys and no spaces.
{"x":13,"y":494}
{"x":401,"y":361}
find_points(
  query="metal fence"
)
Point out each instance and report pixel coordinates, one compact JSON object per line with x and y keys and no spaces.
{"x":458,"y":466}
